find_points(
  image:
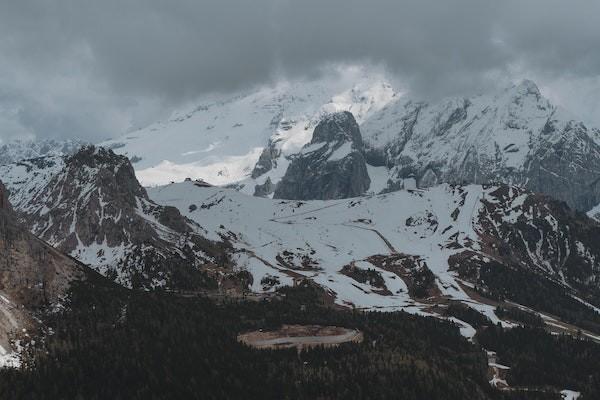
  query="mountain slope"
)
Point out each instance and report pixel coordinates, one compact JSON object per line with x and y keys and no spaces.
{"x":221,"y":140}
{"x":515,"y":136}
{"x":403,"y":250}
{"x":91,"y":206}
{"x":33,"y":275}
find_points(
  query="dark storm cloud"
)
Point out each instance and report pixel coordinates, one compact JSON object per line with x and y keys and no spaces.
{"x":72,"y":61}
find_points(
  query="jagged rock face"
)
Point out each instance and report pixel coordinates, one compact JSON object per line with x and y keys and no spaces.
{"x":267,"y":160}
{"x":4,"y":201}
{"x":338,"y":128}
{"x":533,"y":230}
{"x":30,"y":270}
{"x":566,"y":166}
{"x":305,"y":180}
{"x":265,"y":189}
{"x":513,"y":137}
{"x":33,"y":275}
{"x":91,"y":206}
{"x":88,"y":202}
{"x":331,"y":166}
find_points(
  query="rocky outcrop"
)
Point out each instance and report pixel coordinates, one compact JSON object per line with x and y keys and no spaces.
{"x":33,"y":276}
{"x":535,"y":231}
{"x":264,"y":189}
{"x":566,"y":165}
{"x":331,"y":166}
{"x":338,"y":128}
{"x":31,"y":272}
{"x":92,"y":200}
{"x":267,"y":160}
{"x":92,"y":207}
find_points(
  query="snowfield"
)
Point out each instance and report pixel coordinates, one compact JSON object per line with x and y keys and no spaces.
{"x":316,"y":239}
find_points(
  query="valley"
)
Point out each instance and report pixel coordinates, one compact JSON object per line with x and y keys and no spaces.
{"x":331,"y":229}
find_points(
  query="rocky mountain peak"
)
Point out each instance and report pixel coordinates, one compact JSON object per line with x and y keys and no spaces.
{"x":90,"y":205}
{"x":524,"y":101}
{"x":338,"y":127}
{"x":95,"y":157}
{"x":527,"y":87}
{"x":514,"y":135}
{"x":331,"y":166}
{"x":100,"y":167}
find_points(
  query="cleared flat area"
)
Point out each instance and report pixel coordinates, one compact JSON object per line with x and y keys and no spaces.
{"x":301,"y":336}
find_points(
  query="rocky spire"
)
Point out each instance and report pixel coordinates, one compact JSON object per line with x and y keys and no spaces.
{"x":331,"y":166}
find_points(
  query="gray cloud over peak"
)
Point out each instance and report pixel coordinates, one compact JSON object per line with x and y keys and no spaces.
{"x":95,"y":68}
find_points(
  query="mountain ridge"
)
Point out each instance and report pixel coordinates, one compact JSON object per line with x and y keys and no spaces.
{"x":91,"y":206}
{"x":515,"y":136}
{"x":247,"y":140}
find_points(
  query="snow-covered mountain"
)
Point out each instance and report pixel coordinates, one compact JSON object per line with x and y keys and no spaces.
{"x":221,"y":140}
{"x":91,"y":206}
{"x":18,"y":150}
{"x":248,"y":140}
{"x":515,"y":136}
{"x":412,"y":205}
{"x":413,"y":250}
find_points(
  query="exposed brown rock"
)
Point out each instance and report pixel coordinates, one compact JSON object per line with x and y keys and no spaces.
{"x":33,"y":274}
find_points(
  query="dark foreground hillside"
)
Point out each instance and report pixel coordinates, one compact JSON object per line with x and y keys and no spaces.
{"x":118,"y":344}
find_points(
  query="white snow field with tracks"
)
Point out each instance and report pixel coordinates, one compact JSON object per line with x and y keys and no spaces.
{"x":328,"y":235}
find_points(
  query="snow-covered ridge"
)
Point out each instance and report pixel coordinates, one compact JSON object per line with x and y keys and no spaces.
{"x":247,"y":140}
{"x":91,"y":206}
{"x":513,"y":136}
{"x":18,"y":150}
{"x":506,"y":119}
{"x":221,"y":141}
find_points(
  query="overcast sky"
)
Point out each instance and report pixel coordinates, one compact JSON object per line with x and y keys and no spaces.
{"x":94,"y":69}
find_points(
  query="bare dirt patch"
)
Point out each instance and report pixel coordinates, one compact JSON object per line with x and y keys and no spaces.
{"x":301,"y":337}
